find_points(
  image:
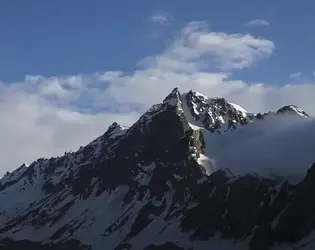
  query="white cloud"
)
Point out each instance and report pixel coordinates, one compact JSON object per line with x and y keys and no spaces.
{"x":198,"y":47}
{"x":161,"y":18}
{"x":257,"y":23}
{"x":295,"y":75}
{"x":39,"y":117}
{"x":43,"y":116}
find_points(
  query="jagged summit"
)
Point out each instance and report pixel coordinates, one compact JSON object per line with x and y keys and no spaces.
{"x":173,"y":97}
{"x":217,"y":114}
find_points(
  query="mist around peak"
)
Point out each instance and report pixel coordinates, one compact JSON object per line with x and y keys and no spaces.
{"x":279,"y":145}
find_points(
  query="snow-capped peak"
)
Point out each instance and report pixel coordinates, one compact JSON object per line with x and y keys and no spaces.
{"x":239,"y":108}
{"x":294,"y":110}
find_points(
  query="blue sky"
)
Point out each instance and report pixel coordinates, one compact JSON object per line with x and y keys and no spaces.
{"x":74,"y":37}
{"x":68,"y":69}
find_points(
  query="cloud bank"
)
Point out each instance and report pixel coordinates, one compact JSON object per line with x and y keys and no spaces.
{"x":277,"y":145}
{"x":44,"y":116}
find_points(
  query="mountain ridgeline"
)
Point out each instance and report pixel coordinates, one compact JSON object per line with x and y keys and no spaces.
{"x":166,"y":183}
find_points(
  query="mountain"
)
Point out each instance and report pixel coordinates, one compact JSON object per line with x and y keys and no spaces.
{"x":192,"y":173}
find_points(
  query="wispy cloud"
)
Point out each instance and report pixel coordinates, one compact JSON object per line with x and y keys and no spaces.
{"x":160,"y":21}
{"x":257,"y":23}
{"x":295,"y":75}
{"x":161,"y":18}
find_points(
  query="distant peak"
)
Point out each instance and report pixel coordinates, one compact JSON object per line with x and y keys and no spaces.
{"x":294,"y":110}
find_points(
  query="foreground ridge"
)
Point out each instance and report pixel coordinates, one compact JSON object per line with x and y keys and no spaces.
{"x":192,"y":173}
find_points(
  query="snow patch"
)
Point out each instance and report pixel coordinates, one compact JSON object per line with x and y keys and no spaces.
{"x":207,"y":163}
{"x":239,"y":108}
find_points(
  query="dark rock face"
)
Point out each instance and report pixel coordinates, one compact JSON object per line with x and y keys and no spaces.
{"x":8,"y":244}
{"x":298,"y":219}
{"x":166,"y":246}
{"x":146,"y":178}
